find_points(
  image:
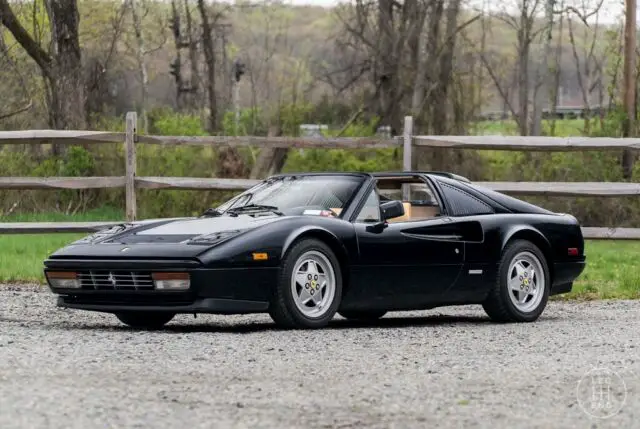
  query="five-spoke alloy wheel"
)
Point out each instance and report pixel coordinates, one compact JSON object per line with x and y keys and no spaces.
{"x":526,"y":282}
{"x":313,"y":285}
{"x":310,"y":286}
{"x":522,"y":287}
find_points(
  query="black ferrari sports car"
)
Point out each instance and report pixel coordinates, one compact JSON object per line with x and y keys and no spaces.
{"x":305,"y":246}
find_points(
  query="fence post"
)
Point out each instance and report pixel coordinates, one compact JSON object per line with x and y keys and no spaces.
{"x":130,"y":165}
{"x":407,"y":147}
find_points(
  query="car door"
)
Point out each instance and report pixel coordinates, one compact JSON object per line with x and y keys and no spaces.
{"x":411,"y":258}
{"x":407,"y":262}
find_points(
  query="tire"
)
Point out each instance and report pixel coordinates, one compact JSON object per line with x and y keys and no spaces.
{"x":518,"y":294}
{"x":364,"y":316}
{"x":307,"y":303}
{"x":148,"y":320}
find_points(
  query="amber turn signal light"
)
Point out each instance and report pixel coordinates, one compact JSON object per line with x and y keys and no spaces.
{"x":63,"y":279}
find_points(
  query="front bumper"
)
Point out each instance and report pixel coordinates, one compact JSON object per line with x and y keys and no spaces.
{"x":200,"y":305}
{"x":212,"y":290}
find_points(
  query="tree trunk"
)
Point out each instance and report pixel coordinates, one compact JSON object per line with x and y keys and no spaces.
{"x":210,"y":60}
{"x":385,"y":58}
{"x":142,"y":64}
{"x":270,"y":160}
{"x":628,"y":157}
{"x":446,"y":69}
{"x":67,"y":83}
{"x":543,"y":77}
{"x":523,"y":71}
{"x":433,"y":45}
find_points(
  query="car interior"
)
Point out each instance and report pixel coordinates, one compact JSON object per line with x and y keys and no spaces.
{"x":416,"y":195}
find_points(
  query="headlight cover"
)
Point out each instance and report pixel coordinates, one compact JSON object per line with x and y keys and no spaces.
{"x":104,"y":234}
{"x":215,"y":238}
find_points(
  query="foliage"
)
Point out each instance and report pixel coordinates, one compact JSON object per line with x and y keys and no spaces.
{"x":346,"y":160}
{"x":250,"y":123}
{"x":168,"y":123}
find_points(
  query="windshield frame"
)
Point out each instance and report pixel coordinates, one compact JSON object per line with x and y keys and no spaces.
{"x":361,"y":178}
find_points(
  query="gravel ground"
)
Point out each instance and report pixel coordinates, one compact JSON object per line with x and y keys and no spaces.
{"x":447,"y":367}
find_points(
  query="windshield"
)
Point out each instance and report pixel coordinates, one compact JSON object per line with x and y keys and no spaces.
{"x":293,"y":195}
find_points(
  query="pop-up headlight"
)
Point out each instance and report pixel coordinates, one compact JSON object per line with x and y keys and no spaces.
{"x":214,"y":238}
{"x":104,"y":234}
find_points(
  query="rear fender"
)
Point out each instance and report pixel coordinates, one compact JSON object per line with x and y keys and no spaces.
{"x":530,"y":233}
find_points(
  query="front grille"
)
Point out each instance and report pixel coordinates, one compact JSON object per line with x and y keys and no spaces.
{"x":115,"y":280}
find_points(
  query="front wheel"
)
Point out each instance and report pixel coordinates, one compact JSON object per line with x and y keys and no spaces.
{"x":148,"y":320}
{"x":310,"y":287}
{"x":522,"y":288}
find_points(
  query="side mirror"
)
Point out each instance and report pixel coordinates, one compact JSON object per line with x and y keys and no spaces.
{"x":391,"y":209}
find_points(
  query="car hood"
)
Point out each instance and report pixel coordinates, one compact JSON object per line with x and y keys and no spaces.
{"x":207,"y":225}
{"x":160,"y":238}
{"x":182,"y":229}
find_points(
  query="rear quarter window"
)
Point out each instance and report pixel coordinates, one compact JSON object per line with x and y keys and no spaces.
{"x":462,"y":203}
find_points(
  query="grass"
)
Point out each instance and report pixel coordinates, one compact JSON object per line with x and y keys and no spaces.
{"x":611,"y":271}
{"x":564,"y":127}
{"x":21,"y":255}
{"x":94,"y":215}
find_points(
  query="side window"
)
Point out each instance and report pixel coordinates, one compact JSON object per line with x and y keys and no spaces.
{"x":463,"y":203}
{"x":370,"y":212}
{"x":416,"y":195}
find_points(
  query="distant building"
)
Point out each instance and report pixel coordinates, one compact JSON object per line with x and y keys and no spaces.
{"x":384,"y":132}
{"x":313,"y":130}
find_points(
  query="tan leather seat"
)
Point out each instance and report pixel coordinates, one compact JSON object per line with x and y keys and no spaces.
{"x":424,"y":212}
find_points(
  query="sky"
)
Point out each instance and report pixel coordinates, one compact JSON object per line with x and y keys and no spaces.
{"x":610,"y":11}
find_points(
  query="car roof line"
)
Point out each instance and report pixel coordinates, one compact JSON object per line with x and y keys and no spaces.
{"x":446,"y":174}
{"x":329,"y":174}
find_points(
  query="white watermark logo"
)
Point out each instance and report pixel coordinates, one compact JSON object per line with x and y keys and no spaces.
{"x":601,"y":393}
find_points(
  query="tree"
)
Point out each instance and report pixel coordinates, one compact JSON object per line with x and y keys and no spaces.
{"x":59,"y":63}
{"x":6,"y":63}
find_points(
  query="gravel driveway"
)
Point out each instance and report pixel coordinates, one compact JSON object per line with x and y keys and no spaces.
{"x":442,"y":368}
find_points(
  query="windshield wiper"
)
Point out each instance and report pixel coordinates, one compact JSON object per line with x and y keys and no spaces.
{"x":211,"y":212}
{"x":255,"y":207}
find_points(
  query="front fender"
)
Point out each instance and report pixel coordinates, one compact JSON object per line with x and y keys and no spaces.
{"x":311,"y":231}
{"x":276,"y":239}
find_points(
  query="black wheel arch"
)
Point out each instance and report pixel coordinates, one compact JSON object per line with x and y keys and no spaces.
{"x":328,"y":238}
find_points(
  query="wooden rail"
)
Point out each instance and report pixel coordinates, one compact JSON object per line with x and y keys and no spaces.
{"x":558,"y":189}
{"x":131,"y":182}
{"x":519,"y":143}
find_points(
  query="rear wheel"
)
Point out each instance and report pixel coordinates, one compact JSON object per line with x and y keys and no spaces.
{"x":310,"y":287}
{"x":145,"y":319}
{"x":522,"y":288}
{"x":363,"y":315}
